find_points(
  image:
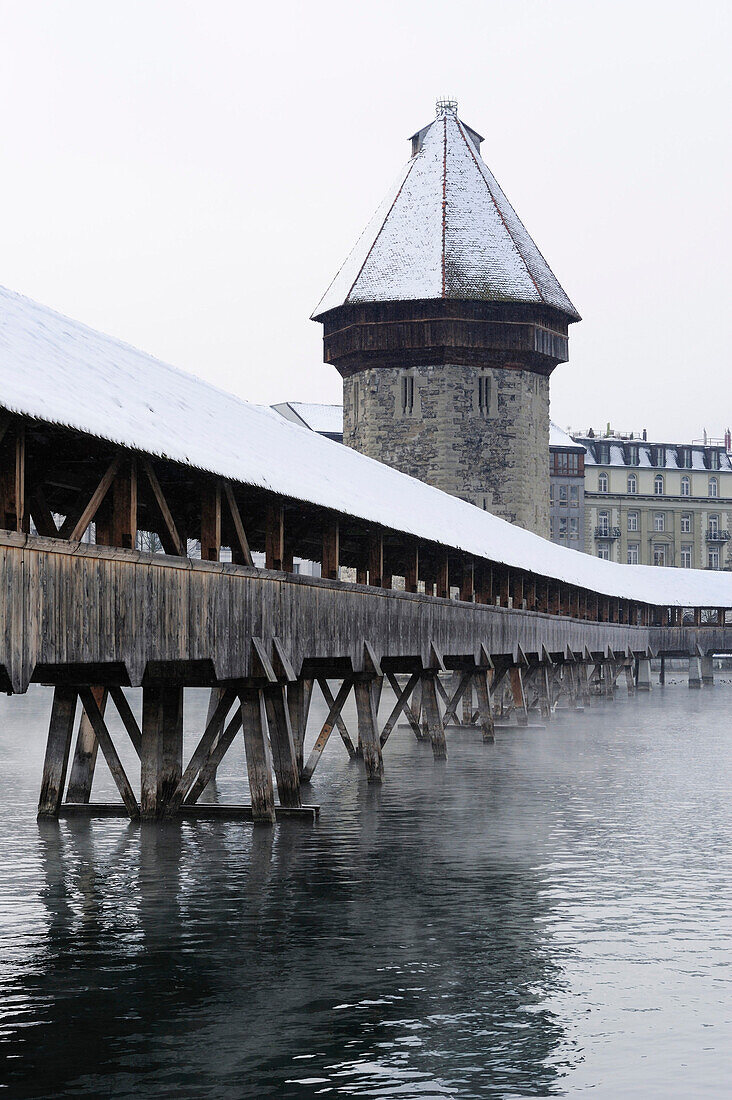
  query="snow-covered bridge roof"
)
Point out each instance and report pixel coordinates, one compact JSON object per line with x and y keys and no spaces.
{"x":57,"y":370}
{"x":446,"y":230}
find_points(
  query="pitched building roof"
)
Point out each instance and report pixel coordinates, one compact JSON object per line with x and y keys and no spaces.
{"x":559,"y":440}
{"x":445,"y":230}
{"x":325,"y":419}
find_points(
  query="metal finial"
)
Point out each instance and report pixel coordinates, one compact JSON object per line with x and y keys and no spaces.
{"x":446,"y":107}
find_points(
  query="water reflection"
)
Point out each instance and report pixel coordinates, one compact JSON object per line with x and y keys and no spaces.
{"x":436,"y":938}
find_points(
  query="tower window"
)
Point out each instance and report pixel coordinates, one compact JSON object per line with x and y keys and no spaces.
{"x":355,"y":401}
{"x":484,"y":394}
{"x":407,"y":394}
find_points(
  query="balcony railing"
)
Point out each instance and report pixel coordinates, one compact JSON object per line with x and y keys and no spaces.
{"x":716,"y":534}
{"x":607,"y":532}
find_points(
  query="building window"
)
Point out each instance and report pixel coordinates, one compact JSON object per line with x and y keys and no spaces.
{"x":632,"y":521}
{"x":603,"y":453}
{"x":659,"y":521}
{"x":714,"y":462}
{"x":659,"y":553}
{"x":713,"y":526}
{"x":685,"y":487}
{"x":566,"y":463}
{"x":685,"y":457}
{"x":355,"y":401}
{"x":551,"y":494}
{"x":603,"y":524}
{"x":407,"y":394}
{"x":604,"y":553}
{"x":563,"y":495}
{"x":713,"y":487}
{"x":484,"y":394}
{"x":686,"y":552}
{"x":660,"y":456}
{"x":602,"y":482}
{"x":713,"y":558}
{"x":633,"y":553}
{"x":573,"y":527}
{"x":686,"y":523}
{"x":574,"y":496}
{"x":632,"y":484}
{"x":633,"y":459}
{"x":562,"y":527}
{"x":658,"y":485}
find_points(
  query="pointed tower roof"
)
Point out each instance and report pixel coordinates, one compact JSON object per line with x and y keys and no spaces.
{"x":446,"y":230}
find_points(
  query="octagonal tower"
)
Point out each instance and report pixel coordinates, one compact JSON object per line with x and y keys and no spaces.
{"x":445,"y":323}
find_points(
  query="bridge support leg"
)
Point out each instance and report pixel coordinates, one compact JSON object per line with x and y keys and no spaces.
{"x":662,"y":673}
{"x":545,"y":691}
{"x":261,"y":787}
{"x":432,"y":716}
{"x":628,"y":666}
{"x":299,"y":695}
{"x":707,"y":671}
{"x":58,"y":747}
{"x":643,"y":682}
{"x":85,"y":754}
{"x":366,"y":694}
{"x":468,"y":709}
{"x":519,"y":698}
{"x":283,"y":745}
{"x":485,"y":709}
{"x":608,"y":682}
{"x":695,"y":672}
{"x":161,"y":748}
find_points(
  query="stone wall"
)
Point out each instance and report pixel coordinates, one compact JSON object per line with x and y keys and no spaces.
{"x":494,"y":455}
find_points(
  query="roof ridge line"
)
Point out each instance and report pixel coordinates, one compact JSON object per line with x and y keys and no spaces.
{"x":500,"y":215}
{"x":381,"y":229}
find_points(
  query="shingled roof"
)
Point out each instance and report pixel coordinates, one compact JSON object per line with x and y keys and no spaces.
{"x":446,"y":230}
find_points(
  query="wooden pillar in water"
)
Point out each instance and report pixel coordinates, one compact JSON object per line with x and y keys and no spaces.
{"x":432,"y":716}
{"x":284,"y":757}
{"x":366,"y":695}
{"x":299,"y":695}
{"x":58,"y":747}
{"x":85,"y":754}
{"x":259,"y":770}
{"x":519,"y":698}
{"x":485,"y":707}
{"x":161,"y":748}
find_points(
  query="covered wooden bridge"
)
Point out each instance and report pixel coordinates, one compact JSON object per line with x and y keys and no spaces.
{"x":104,"y":451}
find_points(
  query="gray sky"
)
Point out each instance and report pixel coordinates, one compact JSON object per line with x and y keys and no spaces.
{"x":189,"y":176}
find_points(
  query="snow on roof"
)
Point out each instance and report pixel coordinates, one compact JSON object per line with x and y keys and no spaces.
{"x":560,"y":440}
{"x":57,"y":370}
{"x":662,"y":456}
{"x":326,"y":419}
{"x":478,"y":250}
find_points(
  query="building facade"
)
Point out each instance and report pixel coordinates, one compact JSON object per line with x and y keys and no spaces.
{"x":658,"y":503}
{"x":566,"y":490}
{"x":445,"y":323}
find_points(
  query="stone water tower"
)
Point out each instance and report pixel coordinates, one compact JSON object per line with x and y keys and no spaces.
{"x":445,"y":323}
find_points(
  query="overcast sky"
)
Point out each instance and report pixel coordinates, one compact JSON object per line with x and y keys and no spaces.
{"x":189,"y":176}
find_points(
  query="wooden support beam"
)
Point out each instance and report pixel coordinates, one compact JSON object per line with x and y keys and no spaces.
{"x":259,"y":770}
{"x":483,"y":583}
{"x":331,"y":557}
{"x":399,"y":706}
{"x":340,"y":724}
{"x":411,"y":568}
{"x":431,"y":712}
{"x":128,"y":719}
{"x":409,"y":711}
{"x":443,"y":574}
{"x":485,"y":706}
{"x":467,"y":582}
{"x":124,"y":506}
{"x":299,"y":696}
{"x":58,"y":747}
{"x":41,"y":514}
{"x":283,"y":746}
{"x":106,"y":744}
{"x":240,"y":553}
{"x":463,"y":680}
{"x":519,"y":698}
{"x":322,"y":740}
{"x":211,"y":521}
{"x":202,"y":750}
{"x":518,"y":590}
{"x":530,"y":593}
{"x":169,"y":534}
{"x":504,"y":585}
{"x":74,"y":526}
{"x":376,"y":558}
{"x":274,"y":537}
{"x":365,"y":691}
{"x":13,"y":512}
{"x":85,"y":754}
{"x":216,"y":754}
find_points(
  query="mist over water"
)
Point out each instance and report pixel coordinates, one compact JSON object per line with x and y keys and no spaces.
{"x":542,"y":916}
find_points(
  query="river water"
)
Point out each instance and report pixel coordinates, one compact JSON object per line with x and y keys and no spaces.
{"x":548,"y":915}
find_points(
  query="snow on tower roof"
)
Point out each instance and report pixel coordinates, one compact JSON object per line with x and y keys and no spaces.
{"x":445,"y":230}
{"x":61,"y":372}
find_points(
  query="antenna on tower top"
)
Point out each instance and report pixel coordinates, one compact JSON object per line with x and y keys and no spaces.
{"x":446,"y":107}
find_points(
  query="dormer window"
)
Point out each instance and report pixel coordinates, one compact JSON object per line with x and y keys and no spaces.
{"x":603,"y":452}
{"x":633,"y":458}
